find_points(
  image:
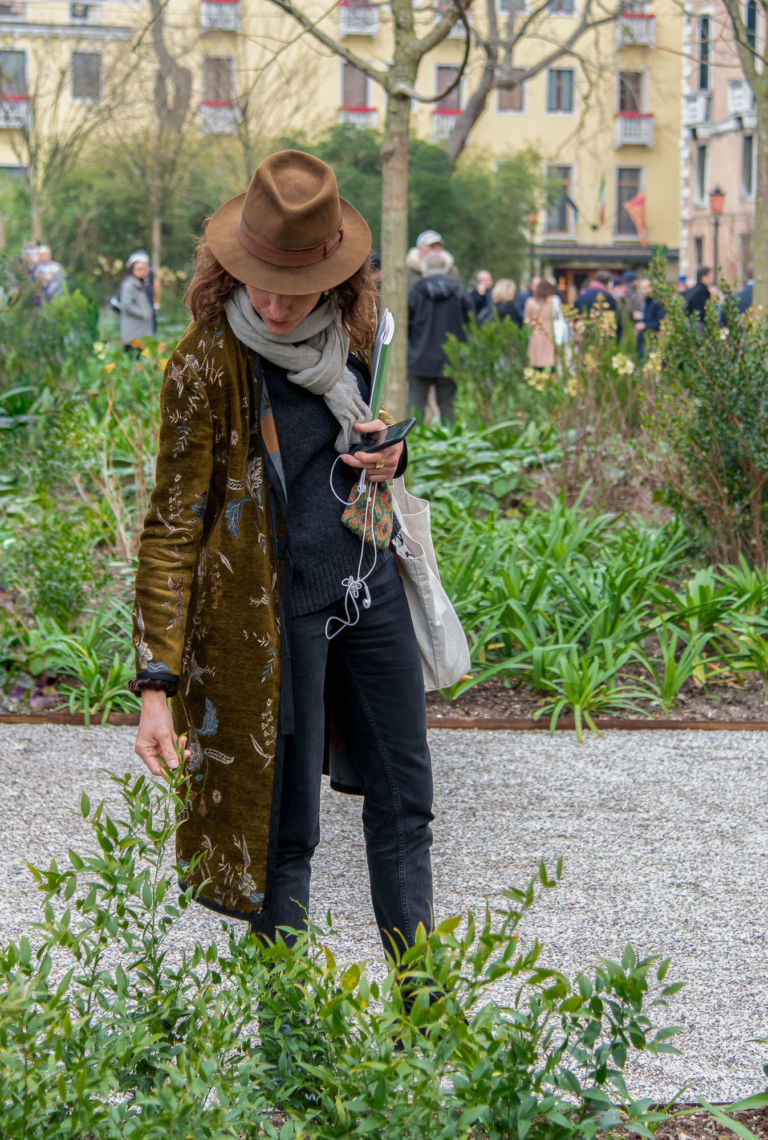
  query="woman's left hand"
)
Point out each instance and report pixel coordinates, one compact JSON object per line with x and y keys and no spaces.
{"x":378,"y":465}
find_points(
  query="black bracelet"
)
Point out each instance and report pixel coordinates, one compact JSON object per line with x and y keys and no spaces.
{"x":140,"y":685}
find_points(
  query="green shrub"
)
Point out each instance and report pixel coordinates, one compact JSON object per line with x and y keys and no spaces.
{"x":106,"y":1032}
{"x":708,"y":412}
{"x":489,"y":369}
{"x":42,"y":345}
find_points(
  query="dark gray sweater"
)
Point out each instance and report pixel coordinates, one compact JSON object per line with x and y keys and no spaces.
{"x":323,"y":551}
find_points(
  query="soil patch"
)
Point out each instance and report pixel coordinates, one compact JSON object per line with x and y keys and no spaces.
{"x":725,"y":702}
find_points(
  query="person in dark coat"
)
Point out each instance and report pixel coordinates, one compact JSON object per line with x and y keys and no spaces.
{"x":652,"y":314}
{"x":744,"y":297}
{"x":480,"y":297}
{"x":505,"y":302}
{"x":437,"y":305}
{"x":697,"y":297}
{"x":597,"y":296}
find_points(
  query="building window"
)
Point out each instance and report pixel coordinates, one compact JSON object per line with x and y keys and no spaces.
{"x":628,"y":186}
{"x":445,"y":76}
{"x":354,"y":86}
{"x":511,"y":5}
{"x":698,"y":253}
{"x":86,"y":76}
{"x":630,"y":92}
{"x":748,"y":166}
{"x":562,"y":7}
{"x":750,"y":24}
{"x":13,"y":10}
{"x":700,"y":187}
{"x":560,"y":89}
{"x":704,"y":51}
{"x":85,"y":13}
{"x":218,"y":80}
{"x":559,"y":200}
{"x":13,"y":74}
{"x":512,"y":98}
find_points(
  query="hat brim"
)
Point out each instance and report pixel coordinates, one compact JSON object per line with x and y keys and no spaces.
{"x":342,"y":263}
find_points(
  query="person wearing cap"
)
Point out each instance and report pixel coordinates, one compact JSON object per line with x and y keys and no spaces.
{"x":247,"y":579}
{"x":428,"y":241}
{"x":137,"y":314}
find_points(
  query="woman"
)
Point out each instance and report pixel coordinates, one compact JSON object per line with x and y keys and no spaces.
{"x":248,"y":582}
{"x":503,"y":297}
{"x":137,"y":314}
{"x":539,"y":316}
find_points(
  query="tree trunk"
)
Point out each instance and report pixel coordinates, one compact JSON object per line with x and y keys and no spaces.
{"x":36,"y":215}
{"x":760,"y":251}
{"x":394,"y":243}
{"x":156,"y":248}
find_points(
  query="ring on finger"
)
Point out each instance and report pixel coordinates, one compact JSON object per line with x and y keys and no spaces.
{"x":379,"y":464}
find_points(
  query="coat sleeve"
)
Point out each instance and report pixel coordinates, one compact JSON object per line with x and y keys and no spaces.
{"x":173,"y":526}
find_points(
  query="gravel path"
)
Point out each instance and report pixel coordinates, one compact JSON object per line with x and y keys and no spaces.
{"x":662,"y":836}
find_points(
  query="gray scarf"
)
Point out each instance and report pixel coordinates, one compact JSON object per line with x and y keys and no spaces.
{"x":314,"y":356}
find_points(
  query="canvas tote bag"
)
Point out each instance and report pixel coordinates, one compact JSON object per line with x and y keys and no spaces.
{"x":441,"y":639}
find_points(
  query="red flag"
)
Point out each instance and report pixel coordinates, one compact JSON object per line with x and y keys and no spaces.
{"x":635,"y":207}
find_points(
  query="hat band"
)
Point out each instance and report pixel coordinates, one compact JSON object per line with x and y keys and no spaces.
{"x":287,"y":258}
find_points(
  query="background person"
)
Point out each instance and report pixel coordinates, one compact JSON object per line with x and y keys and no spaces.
{"x":137,"y":313}
{"x":651,"y":316}
{"x":244,"y":595}
{"x":428,"y":241}
{"x":539,"y":316}
{"x":480,"y":296}
{"x":697,"y":297}
{"x":504,"y":301}
{"x":437,"y":305}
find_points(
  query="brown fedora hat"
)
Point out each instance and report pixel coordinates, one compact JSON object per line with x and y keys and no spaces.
{"x":290,"y":232}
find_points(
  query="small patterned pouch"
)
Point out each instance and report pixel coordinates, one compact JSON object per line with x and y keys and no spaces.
{"x":369,"y":513}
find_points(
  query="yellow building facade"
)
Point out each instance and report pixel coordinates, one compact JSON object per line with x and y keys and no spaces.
{"x":605,"y":120}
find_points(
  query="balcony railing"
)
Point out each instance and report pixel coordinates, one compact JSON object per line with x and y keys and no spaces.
{"x":741,"y":101}
{"x":358,"y":19}
{"x":15,"y":111}
{"x":443,"y":122}
{"x":632,"y":128}
{"x":636,"y":29}
{"x":361,"y":117}
{"x":219,"y":117}
{"x":696,"y":109}
{"x":220,"y":16}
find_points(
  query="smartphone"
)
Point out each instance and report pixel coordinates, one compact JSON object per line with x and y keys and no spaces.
{"x":379,"y":440}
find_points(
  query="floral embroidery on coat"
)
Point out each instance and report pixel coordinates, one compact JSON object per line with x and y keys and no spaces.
{"x":207,"y":611}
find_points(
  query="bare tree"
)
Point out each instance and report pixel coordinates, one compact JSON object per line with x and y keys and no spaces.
{"x":398,"y":80}
{"x":153,"y":153}
{"x":47,"y":140}
{"x":498,"y":40}
{"x":753,"y":58}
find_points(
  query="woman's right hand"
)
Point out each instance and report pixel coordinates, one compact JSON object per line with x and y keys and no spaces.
{"x":157,"y":742}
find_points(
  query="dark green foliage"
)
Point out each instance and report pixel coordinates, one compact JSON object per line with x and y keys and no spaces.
{"x":709,"y":413}
{"x":40,"y":345}
{"x":107,"y":1032}
{"x":489,"y":369}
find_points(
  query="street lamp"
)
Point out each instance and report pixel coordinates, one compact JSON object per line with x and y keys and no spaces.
{"x":716,"y":202}
{"x":533,"y":217}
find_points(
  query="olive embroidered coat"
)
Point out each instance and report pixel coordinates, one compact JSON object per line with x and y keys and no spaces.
{"x":207,"y":607}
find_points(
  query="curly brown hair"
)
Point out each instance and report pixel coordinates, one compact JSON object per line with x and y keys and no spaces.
{"x":211,"y":286}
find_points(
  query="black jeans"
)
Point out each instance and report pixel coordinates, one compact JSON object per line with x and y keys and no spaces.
{"x":375,"y":666}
